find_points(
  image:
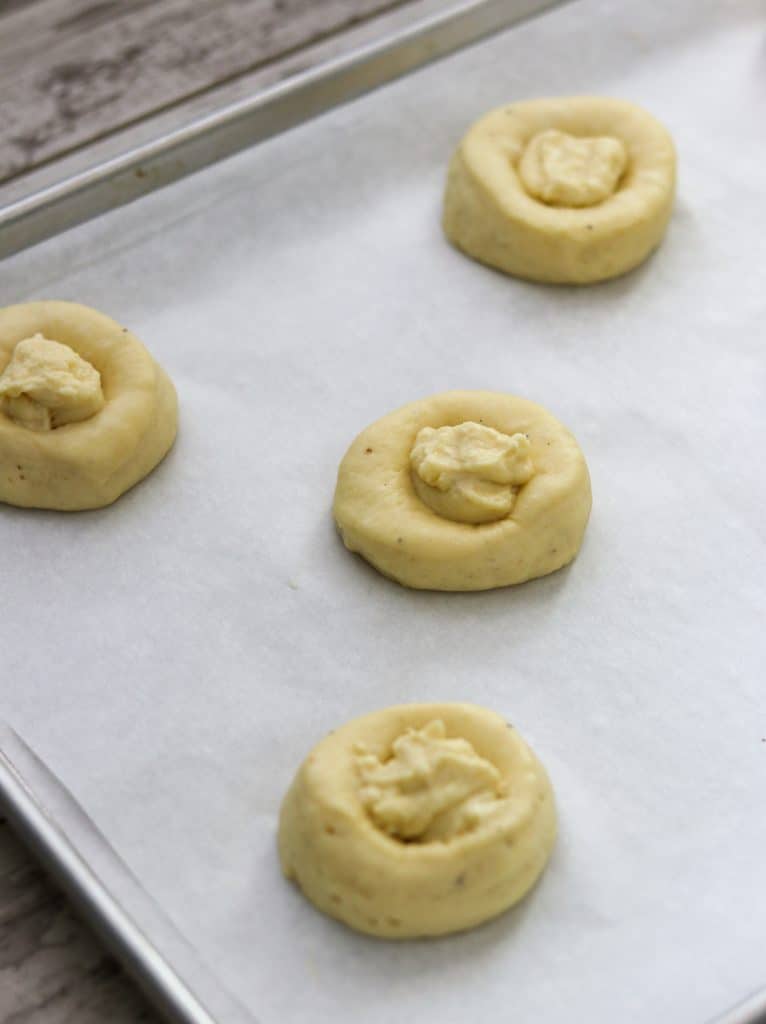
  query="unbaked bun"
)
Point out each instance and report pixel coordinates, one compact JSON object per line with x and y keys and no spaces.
{"x":466,"y":490}
{"x":568,"y":190}
{"x":85,"y":411}
{"x":418,"y":820}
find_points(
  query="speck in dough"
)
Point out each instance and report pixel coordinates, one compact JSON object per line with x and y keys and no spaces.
{"x":567,"y":190}
{"x":418,"y":820}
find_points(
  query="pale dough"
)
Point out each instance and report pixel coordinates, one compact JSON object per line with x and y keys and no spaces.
{"x":532,"y":485}
{"x":418,"y":820}
{"x":85,"y":411}
{"x":567,"y":190}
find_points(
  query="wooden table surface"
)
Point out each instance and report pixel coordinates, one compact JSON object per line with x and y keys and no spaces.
{"x":77,"y":79}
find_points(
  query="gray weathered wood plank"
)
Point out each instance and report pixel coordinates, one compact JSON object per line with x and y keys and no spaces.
{"x":74,"y":70}
{"x":250,"y":83}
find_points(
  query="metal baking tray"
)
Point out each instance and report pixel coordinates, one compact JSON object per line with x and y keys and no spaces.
{"x":47,"y":813}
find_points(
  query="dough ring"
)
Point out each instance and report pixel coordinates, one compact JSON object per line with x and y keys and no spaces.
{"x":502,"y":497}
{"x":85,"y":411}
{"x":568,"y":190}
{"x":418,"y":820}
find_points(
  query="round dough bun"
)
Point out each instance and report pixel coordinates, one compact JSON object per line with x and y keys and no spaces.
{"x":491,"y":217}
{"x":90,"y":463}
{"x":375,"y":883}
{"x":380,"y":515}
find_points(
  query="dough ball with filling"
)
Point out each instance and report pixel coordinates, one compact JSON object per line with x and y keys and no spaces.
{"x":568,"y":190}
{"x":418,"y":820}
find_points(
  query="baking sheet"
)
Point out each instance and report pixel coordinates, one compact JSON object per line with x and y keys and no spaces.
{"x":174,"y":657}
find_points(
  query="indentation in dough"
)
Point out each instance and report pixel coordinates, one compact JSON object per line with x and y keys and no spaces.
{"x":47,"y":384}
{"x":470,"y":473}
{"x":563,"y":170}
{"x":431,"y":787}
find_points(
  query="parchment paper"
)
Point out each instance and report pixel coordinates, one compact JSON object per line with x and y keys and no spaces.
{"x":174,"y":657}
